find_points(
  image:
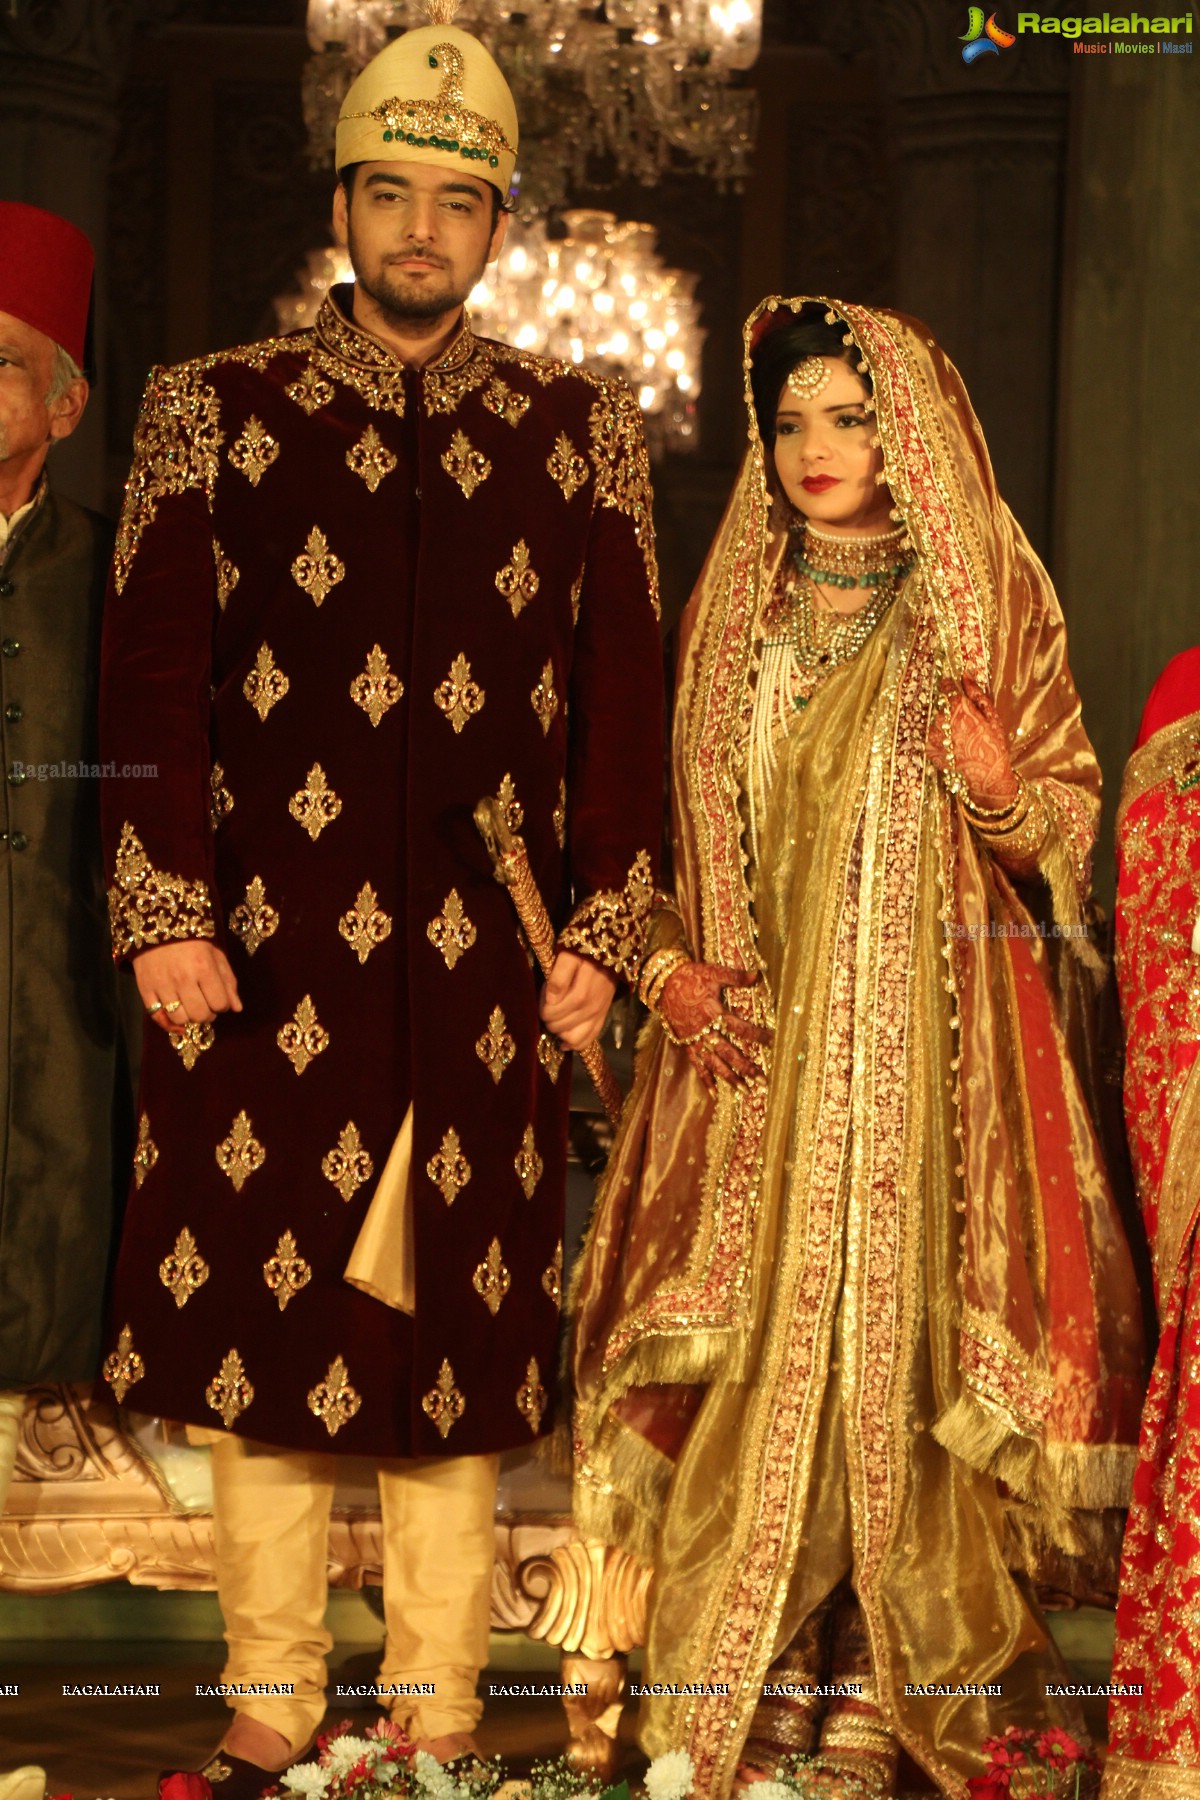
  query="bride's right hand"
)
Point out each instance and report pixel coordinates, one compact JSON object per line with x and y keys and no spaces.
{"x":692,"y":1008}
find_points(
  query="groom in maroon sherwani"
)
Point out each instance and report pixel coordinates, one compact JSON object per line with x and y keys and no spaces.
{"x":365,"y":576}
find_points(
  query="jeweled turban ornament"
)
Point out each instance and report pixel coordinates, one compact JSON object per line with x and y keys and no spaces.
{"x":810,"y":377}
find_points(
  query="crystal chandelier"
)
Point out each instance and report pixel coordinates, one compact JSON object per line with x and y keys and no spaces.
{"x":600,"y":297}
{"x":625,"y":89}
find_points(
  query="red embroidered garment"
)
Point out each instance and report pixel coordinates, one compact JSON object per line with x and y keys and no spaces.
{"x":350,"y":600}
{"x":1154,"y":1741}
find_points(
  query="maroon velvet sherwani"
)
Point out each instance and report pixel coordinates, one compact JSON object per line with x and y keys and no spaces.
{"x":350,"y":599}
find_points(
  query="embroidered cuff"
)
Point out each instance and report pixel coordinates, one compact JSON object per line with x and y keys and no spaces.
{"x":147,"y":906}
{"x":609,"y":928}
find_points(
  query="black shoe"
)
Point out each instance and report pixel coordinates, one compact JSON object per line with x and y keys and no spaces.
{"x":225,"y":1777}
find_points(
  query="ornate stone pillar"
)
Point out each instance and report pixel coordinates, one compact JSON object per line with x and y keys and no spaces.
{"x":1127,"y":545}
{"x":978,"y":161}
{"x":60,"y":64}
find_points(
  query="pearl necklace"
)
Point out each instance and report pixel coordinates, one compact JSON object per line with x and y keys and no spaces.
{"x":848,"y":562}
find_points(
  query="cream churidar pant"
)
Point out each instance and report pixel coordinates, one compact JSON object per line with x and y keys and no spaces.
{"x":271,"y":1520}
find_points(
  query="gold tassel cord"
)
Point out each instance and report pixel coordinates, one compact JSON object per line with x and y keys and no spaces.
{"x":440,"y":12}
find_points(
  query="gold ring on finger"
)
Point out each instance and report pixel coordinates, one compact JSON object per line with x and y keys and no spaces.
{"x":173,"y":1005}
{"x":156,"y":1006}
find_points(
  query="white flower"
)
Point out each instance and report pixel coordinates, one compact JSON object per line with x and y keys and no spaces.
{"x":307,"y":1779}
{"x":670,"y":1777}
{"x":773,"y":1790}
{"x":433,"y":1778}
{"x":343,"y":1752}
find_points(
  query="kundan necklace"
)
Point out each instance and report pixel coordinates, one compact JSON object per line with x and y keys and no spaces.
{"x":814,"y":640}
{"x":847,"y":562}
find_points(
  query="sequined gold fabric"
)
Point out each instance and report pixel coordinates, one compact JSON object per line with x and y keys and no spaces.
{"x":610,"y":927}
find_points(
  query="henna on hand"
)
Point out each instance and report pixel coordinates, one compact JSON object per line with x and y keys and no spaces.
{"x":691,"y":1004}
{"x":978,"y":744}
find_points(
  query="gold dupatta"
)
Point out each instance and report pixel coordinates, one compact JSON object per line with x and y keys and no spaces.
{"x":898,"y":1135}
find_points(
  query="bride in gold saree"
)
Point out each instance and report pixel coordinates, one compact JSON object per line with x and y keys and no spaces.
{"x":856,"y":1334}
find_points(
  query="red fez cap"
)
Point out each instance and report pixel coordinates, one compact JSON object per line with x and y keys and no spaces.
{"x":45,"y":274}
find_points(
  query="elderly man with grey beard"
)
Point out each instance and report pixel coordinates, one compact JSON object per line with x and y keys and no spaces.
{"x":59,"y":1035}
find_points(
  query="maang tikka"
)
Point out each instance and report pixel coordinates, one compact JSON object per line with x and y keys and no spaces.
{"x":810,"y":377}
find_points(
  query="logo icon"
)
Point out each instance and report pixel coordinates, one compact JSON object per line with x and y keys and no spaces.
{"x":983,"y":37}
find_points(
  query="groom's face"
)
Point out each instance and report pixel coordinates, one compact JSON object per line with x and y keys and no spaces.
{"x":419,"y":237}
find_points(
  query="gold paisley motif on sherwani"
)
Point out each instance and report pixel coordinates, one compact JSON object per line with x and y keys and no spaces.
{"x":818,"y":1319}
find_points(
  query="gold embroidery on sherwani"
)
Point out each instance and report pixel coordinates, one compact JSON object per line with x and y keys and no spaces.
{"x":254,"y":451}
{"x":622,"y":465}
{"x":266,"y":683}
{"x":310,"y":390}
{"x":252,"y":919}
{"x":366,"y":924}
{"x":376,"y":689}
{"x":510,"y":806}
{"x":551,"y":1055}
{"x":315,"y":805}
{"x":451,"y":932}
{"x":531,"y":1397}
{"x":370,"y":458}
{"x":565,"y":466}
{"x":528,"y":1164}
{"x":191,"y":1043}
{"x":356,"y":361}
{"x":240,"y":1154}
{"x":576,"y":596}
{"x":443,"y":1403}
{"x":552,"y":1277}
{"x":333,"y":1400}
{"x":317,"y":570}
{"x":505,"y":402}
{"x":229,"y":1392}
{"x":464,"y":464}
{"x":227,"y":576}
{"x":491,"y":1279}
{"x":458,"y":696}
{"x":221,"y":803}
{"x":303,"y":1037}
{"x":497,"y":1047}
{"x":348,"y":1165}
{"x":286,"y":1272}
{"x":124,"y":1367}
{"x":150,"y":906}
{"x":184,"y":1270}
{"x":146,"y":1154}
{"x":610,"y":927}
{"x":518,"y":581}
{"x":559,"y":816}
{"x":175,"y":448}
{"x":466,"y":365}
{"x":544,"y":698}
{"x":449,"y":1169}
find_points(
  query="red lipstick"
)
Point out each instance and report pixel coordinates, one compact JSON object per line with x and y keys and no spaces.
{"x":818,"y":484}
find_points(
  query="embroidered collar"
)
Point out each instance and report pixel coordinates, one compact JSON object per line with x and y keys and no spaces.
{"x":337,"y":333}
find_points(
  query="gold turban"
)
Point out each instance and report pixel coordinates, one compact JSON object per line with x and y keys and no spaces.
{"x":435,"y":96}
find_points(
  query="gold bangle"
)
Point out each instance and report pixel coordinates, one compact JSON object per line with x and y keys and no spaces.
{"x":997,"y":812}
{"x":657,"y":969}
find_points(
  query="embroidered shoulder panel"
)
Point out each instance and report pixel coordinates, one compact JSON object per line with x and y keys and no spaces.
{"x":622,"y":464}
{"x":148,"y":906}
{"x":175,"y":448}
{"x":610,"y":927}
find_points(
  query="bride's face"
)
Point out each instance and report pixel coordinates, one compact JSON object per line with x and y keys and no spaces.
{"x":824,"y":456}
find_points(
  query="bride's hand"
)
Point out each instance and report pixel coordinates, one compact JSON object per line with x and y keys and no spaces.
{"x":691,"y":1005}
{"x":978,"y":746}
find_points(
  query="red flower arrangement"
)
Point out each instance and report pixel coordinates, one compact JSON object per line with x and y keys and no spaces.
{"x":1035,"y":1765}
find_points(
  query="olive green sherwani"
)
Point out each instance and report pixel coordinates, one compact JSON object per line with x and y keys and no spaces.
{"x":62,"y":1078}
